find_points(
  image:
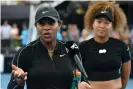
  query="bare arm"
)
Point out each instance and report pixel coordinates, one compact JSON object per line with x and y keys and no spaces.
{"x":125,"y":73}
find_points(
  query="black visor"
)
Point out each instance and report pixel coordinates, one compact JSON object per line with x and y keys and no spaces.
{"x":108,"y":13}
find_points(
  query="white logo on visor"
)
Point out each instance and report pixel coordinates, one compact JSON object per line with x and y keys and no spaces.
{"x":45,"y":12}
{"x":104,"y":12}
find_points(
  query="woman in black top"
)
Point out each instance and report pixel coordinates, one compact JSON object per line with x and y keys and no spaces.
{"x":43,"y":63}
{"x":105,"y":59}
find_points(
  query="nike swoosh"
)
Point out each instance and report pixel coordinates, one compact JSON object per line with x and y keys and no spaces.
{"x":62,"y":55}
{"x":45,"y":12}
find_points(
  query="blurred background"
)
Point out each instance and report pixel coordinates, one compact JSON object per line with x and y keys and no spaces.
{"x":17,"y":28}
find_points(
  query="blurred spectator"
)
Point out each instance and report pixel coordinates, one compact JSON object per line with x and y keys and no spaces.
{"x":5,"y":30}
{"x":73,"y":32}
{"x":91,"y":35}
{"x":116,"y":34}
{"x":126,"y":35}
{"x":64,"y":33}
{"x":131,"y":35}
{"x":14,"y":31}
{"x":59,"y":36}
{"x":24,"y":35}
{"x":0,"y":32}
{"x":84,"y":35}
{"x":15,"y":35}
{"x":131,"y":43}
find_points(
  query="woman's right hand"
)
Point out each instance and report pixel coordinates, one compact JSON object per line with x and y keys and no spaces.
{"x":19,"y":75}
{"x":84,"y":85}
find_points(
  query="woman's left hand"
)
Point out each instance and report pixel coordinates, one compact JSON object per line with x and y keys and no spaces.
{"x":84,"y":85}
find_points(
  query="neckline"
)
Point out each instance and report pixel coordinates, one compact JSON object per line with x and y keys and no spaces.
{"x":44,"y":47}
{"x":101,"y":43}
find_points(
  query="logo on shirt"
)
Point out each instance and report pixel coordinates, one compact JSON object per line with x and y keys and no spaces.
{"x":62,"y":55}
{"x":102,"y":51}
